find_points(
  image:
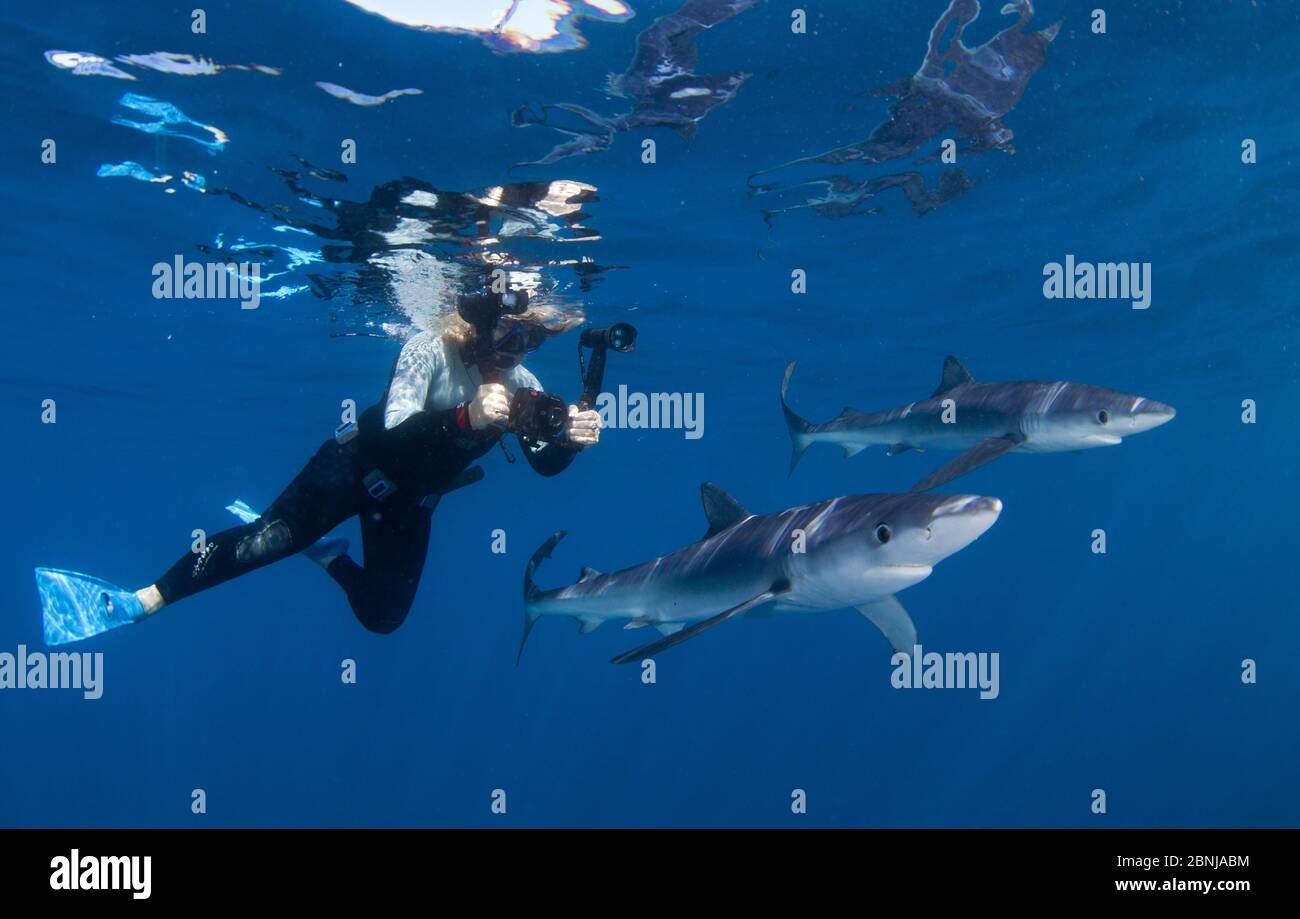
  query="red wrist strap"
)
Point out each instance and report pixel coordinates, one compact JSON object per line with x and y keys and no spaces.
{"x":462,"y":417}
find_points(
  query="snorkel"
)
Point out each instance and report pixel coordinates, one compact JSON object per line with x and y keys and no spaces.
{"x":483,"y":312}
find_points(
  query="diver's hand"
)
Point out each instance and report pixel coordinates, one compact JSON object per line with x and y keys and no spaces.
{"x":491,"y":406}
{"x":583,"y":429}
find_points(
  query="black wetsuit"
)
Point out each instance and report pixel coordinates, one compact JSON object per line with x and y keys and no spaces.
{"x":423,"y":456}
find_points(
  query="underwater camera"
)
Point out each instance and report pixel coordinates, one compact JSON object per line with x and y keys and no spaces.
{"x":542,"y":415}
{"x":537,"y":415}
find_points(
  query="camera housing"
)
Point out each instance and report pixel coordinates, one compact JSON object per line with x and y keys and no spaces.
{"x":537,"y":415}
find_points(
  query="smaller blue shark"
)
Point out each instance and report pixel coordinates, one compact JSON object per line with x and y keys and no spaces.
{"x":984,"y":420}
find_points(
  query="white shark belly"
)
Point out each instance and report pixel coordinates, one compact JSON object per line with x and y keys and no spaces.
{"x":851,"y":437}
{"x":813,"y":594}
{"x":1066,"y":443}
{"x":666,"y":599}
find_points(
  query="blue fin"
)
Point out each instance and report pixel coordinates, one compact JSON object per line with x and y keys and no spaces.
{"x":326,"y":547}
{"x":77,"y":606}
{"x":243,"y":511}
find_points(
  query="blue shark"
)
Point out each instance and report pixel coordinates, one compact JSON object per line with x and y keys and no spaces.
{"x":856,"y":551}
{"x":984,"y":421}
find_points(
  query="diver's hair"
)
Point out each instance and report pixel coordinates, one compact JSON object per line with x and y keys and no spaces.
{"x":553,"y":320}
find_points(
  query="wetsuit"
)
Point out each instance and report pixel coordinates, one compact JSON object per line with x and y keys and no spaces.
{"x":414,"y":444}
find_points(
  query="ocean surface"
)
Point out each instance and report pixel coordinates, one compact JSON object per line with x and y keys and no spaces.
{"x":1120,"y":671}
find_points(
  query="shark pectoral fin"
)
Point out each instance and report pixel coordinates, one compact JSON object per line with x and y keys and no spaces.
{"x":689,"y":632}
{"x":853,"y":449}
{"x":888,"y":615}
{"x":635,"y":624}
{"x":987,"y":450}
{"x":895,"y":449}
{"x":588,"y":624}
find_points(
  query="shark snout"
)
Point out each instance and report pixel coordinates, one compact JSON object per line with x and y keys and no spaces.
{"x":1151,"y":414}
{"x":959,"y":521}
{"x":971,"y":505}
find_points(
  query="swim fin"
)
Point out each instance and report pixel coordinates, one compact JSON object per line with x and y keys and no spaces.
{"x":77,"y":606}
{"x":243,"y":512}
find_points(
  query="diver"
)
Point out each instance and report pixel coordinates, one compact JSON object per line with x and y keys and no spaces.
{"x":451,"y":397}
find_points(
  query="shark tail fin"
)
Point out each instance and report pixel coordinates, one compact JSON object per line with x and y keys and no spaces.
{"x":799,"y":427}
{"x":532,"y":591}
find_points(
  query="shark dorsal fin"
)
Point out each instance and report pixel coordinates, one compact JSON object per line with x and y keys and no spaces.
{"x":954,"y":375}
{"x":587,"y":573}
{"x":720,"y":508}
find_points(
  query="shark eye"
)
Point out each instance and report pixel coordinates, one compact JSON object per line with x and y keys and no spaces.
{"x":883,"y":533}
{"x":1103,"y":417}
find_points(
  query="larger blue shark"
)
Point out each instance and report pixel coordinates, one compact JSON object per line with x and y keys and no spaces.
{"x":857,"y":551}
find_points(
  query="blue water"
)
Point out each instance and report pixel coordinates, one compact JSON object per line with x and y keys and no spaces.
{"x":1118,"y":671}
